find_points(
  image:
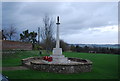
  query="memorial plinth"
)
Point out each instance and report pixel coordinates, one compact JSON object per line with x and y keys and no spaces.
{"x":57,"y":56}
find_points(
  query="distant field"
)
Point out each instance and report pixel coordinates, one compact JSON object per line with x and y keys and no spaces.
{"x":105,"y":66}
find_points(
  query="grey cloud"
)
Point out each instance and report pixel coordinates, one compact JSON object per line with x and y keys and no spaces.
{"x":86,"y":15}
{"x":74,"y":17}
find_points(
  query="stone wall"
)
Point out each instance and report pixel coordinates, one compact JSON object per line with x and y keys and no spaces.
{"x":29,"y":59}
{"x":62,"y":68}
{"x":86,"y":66}
{"x":15,"y":45}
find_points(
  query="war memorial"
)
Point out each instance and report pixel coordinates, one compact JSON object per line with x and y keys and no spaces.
{"x":57,"y":62}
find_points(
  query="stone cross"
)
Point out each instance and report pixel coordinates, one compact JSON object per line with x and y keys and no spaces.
{"x":57,"y":35}
{"x":57,"y":56}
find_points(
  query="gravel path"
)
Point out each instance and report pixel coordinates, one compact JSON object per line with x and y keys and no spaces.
{"x":14,"y":68}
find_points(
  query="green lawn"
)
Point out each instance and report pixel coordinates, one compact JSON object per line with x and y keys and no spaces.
{"x":105,"y":66}
{"x":10,"y":60}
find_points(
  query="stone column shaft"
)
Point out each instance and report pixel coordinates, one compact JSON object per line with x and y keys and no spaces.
{"x":57,"y":37}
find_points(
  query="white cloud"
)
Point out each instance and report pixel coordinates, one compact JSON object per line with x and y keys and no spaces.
{"x":113,"y":28}
{"x":103,"y":35}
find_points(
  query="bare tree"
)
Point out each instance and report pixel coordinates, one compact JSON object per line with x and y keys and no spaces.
{"x":47,"y":33}
{"x":10,"y":32}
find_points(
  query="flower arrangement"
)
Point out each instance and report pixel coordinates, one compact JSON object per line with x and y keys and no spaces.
{"x":46,"y":58}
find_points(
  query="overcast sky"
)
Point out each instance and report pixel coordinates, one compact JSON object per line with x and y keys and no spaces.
{"x":81,"y":22}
